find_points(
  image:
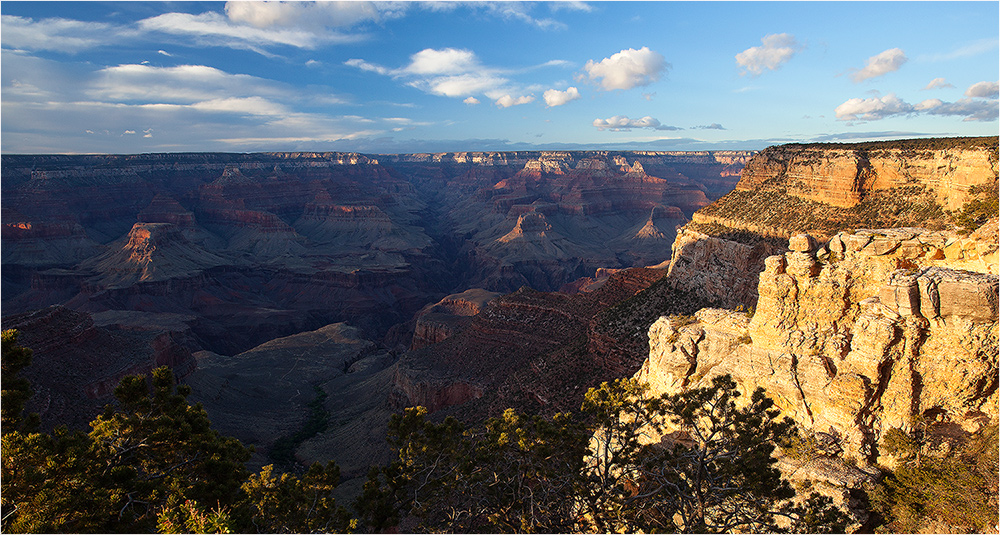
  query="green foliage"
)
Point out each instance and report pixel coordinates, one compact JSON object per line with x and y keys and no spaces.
{"x":957,"y":492}
{"x":16,"y":389}
{"x":516,"y":474}
{"x":154,"y":462}
{"x":283,"y":450}
{"x":598,"y":470}
{"x":289,"y":504}
{"x":983,"y":206}
{"x":189,"y":517}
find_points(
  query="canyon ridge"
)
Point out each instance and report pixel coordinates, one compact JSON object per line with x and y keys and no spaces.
{"x":856,"y":283}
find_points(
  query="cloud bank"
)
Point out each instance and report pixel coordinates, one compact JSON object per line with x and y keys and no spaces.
{"x":621,"y":123}
{"x":981,"y":104}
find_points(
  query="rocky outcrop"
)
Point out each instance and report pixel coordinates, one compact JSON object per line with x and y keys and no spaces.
{"x":874,"y":330}
{"x":262,"y":394}
{"x":718,"y":270}
{"x":435,"y":323}
{"x":824,"y":188}
{"x":843,"y":177}
{"x":547,"y":347}
{"x":77,"y":363}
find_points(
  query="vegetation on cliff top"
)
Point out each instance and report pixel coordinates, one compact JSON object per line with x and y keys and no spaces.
{"x":154,"y":463}
{"x":930,"y":143}
{"x":590,"y":471}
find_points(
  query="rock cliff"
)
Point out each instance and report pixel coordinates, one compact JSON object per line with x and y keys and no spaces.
{"x":824,"y":188}
{"x":78,"y":361}
{"x":869,"y":331}
{"x":254,"y":246}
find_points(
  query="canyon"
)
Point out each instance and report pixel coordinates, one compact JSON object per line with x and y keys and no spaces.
{"x":842,"y":279}
{"x":225,"y":252}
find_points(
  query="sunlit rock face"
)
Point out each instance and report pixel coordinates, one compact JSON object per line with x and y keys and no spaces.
{"x":872,"y":330}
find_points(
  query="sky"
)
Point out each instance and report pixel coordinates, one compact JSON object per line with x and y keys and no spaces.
{"x":405,"y":77}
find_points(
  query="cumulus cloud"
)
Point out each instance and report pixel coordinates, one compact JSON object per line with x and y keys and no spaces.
{"x":880,"y":64}
{"x":872,"y":109}
{"x":461,"y":85}
{"x":444,"y":61}
{"x":627,"y":69}
{"x":936,"y":84}
{"x":983,"y":90}
{"x":776,"y":50}
{"x":877,"y":108}
{"x":554,"y":97}
{"x":452,"y":72}
{"x":471,"y":101}
{"x":967,"y":108}
{"x":507,"y":101}
{"x":621,"y":123}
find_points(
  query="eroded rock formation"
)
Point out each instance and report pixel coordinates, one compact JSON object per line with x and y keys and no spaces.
{"x":876,"y":329}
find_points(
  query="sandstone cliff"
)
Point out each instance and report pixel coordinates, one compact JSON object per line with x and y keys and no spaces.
{"x":824,"y":188}
{"x":872,"y":330}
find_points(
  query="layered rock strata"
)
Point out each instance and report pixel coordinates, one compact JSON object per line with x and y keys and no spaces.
{"x":824,"y":188}
{"x":876,"y":329}
{"x":77,"y":362}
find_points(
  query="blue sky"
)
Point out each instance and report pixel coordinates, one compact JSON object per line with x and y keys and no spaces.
{"x":132,"y":77}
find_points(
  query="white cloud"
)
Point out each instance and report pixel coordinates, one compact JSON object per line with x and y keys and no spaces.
{"x":445,"y":61}
{"x":461,"y":85}
{"x":166,"y":109}
{"x":471,"y":101}
{"x":876,"y":108}
{"x":571,"y":6}
{"x":57,"y":34}
{"x":164,"y":53}
{"x":451,"y":72}
{"x":219,"y":30}
{"x":314,"y":15}
{"x":777,"y":49}
{"x":937,"y":83}
{"x":880,"y":64}
{"x":521,"y":11}
{"x":983,"y":90}
{"x":179,"y":84}
{"x":554,"y":97}
{"x":242,"y":106}
{"x":366,"y":66}
{"x":507,"y":101}
{"x":928,"y":104}
{"x":627,"y":69}
{"x":621,"y":123}
{"x":872,"y":109}
{"x":968,"y":108}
